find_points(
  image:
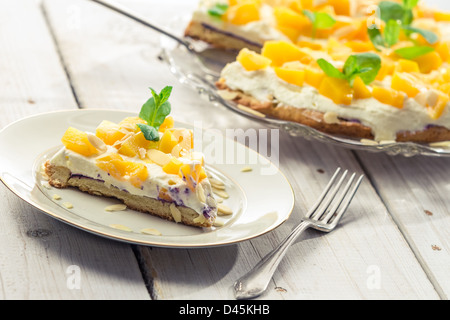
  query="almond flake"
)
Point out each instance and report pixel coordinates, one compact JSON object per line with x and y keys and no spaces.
{"x":120,"y":227}
{"x":224,"y":210}
{"x":151,"y":231}
{"x":200,"y":192}
{"x":116,"y":207}
{"x":330,"y":117}
{"x":97,"y":142}
{"x":216,"y":182}
{"x":251,"y":111}
{"x":68,"y":205}
{"x":176,"y":214}
{"x":221,"y":193}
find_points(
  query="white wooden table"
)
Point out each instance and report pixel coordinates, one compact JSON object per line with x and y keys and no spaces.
{"x":393,"y":242}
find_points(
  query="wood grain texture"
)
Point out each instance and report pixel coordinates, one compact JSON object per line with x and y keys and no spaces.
{"x":112,"y":60}
{"x":38,"y":253}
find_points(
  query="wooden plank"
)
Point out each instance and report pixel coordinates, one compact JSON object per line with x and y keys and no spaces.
{"x":368,"y":258}
{"x":416,"y":192}
{"x":42,"y":258}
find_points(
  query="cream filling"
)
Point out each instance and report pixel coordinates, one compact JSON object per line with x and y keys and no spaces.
{"x":256,"y":31}
{"x":157,"y":180}
{"x":384,"y":120}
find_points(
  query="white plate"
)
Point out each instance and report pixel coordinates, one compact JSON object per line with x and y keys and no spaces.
{"x":260,"y":201}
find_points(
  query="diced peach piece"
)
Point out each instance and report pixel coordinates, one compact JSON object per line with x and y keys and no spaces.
{"x":443,"y":48}
{"x":111,"y":164}
{"x":280,"y":52}
{"x":314,"y":76}
{"x":360,"y":46}
{"x":310,"y":44}
{"x":442,"y":16}
{"x":167,"y":142}
{"x":286,"y":17}
{"x":338,"y":90}
{"x":341,"y":7}
{"x":193,"y":174}
{"x":243,"y":13}
{"x":135,"y":173}
{"x":409,"y":66}
{"x":109,"y":132}
{"x":387,"y":68}
{"x":389,"y":96}
{"x":130,"y":124}
{"x":173,"y":167}
{"x":292,"y":33}
{"x":252,"y":61}
{"x":429,"y":62}
{"x":158,"y":157}
{"x":360,"y":90}
{"x":77,"y":141}
{"x":167,"y":124}
{"x":164,"y":195}
{"x":131,"y":147}
{"x":406,"y":83}
{"x":292,"y":76}
{"x":436,"y":103}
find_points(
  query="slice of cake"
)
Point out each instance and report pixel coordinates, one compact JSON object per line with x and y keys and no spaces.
{"x":143,"y":161}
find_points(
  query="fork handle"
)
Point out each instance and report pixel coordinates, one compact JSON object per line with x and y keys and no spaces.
{"x":141,"y":19}
{"x":255,"y":282}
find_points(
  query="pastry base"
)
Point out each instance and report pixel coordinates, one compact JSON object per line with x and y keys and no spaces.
{"x":61,"y":177}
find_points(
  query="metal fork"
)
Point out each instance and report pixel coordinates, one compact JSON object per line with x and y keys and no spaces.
{"x":320,"y":217}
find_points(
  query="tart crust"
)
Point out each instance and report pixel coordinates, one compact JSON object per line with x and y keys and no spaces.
{"x":61,"y":177}
{"x":315,"y":119}
{"x":217,"y":38}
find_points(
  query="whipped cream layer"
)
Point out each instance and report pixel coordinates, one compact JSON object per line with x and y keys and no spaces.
{"x":157,"y":180}
{"x":384,"y":120}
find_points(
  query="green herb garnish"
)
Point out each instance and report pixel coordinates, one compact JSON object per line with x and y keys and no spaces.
{"x":411,"y":53}
{"x":218,"y":10}
{"x":154,"y":112}
{"x":319,"y":20}
{"x":398,"y":17}
{"x":363,"y":65}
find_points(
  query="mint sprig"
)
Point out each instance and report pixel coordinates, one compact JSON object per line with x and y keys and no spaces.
{"x":319,"y":20}
{"x":364,"y":65}
{"x":398,"y":17}
{"x":154,"y":112}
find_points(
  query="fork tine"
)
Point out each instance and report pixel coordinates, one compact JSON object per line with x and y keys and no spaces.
{"x":324,"y":193}
{"x":347,"y":201}
{"x":324,"y":206}
{"x":338,"y":202}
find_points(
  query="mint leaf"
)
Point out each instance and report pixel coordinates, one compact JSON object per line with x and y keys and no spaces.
{"x":218,"y":10}
{"x":411,"y":53}
{"x":154,"y":112}
{"x":330,"y":70}
{"x":391,"y":11}
{"x":150,"y":133}
{"x":429,"y":36}
{"x":410,"y":4}
{"x":392,"y":32}
{"x":319,"y":20}
{"x":377,"y":38}
{"x":365,"y":65}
